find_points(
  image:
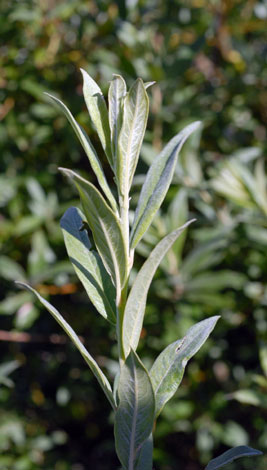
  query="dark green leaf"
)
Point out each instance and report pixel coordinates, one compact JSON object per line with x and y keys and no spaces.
{"x":88,"y":265}
{"x":230,"y":455}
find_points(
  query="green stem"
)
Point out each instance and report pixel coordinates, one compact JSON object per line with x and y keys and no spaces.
{"x":124,"y":206}
{"x":120,"y":314}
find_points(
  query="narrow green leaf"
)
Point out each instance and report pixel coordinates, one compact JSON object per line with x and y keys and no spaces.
{"x":103,"y":381}
{"x":145,"y":458}
{"x":105,"y":228}
{"x":135,"y":415}
{"x":168,"y":369}
{"x":117,"y":92}
{"x":135,"y":113}
{"x":88,"y":265}
{"x":230,"y":455}
{"x":157,"y":183}
{"x":207,"y":254}
{"x":89,"y":150}
{"x":135,"y":306}
{"x":177,"y":215}
{"x":97,"y":109}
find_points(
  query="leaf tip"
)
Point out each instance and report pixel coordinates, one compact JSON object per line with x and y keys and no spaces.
{"x":22,"y":285}
{"x":52,"y":97}
{"x":84,"y":73}
{"x":66,"y":172}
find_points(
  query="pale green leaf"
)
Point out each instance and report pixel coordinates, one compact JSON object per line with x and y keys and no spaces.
{"x":88,"y":265}
{"x":97,"y":109}
{"x":250,"y":397}
{"x":103,"y":381}
{"x":168,"y":369}
{"x":105,"y":228}
{"x":157,"y":183}
{"x":117,"y":92}
{"x":230,"y":455}
{"x":203,"y":257}
{"x":10,"y":270}
{"x":178,"y":214}
{"x":135,"y":306}
{"x":148,"y":84}
{"x":135,"y":113}
{"x":135,"y":415}
{"x":89,"y":150}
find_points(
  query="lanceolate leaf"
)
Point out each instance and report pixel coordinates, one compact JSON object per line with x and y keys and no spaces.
{"x":88,"y":265}
{"x":145,"y":458}
{"x":89,"y":150}
{"x":103,"y":381}
{"x":117,"y":91}
{"x":97,"y":108}
{"x":168,"y":369}
{"x":135,"y":112}
{"x":135,"y":415}
{"x":230,"y":455}
{"x":157,"y":183}
{"x":105,"y":228}
{"x":135,"y":306}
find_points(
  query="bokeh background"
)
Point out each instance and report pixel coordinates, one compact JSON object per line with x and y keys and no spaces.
{"x":209,"y":61}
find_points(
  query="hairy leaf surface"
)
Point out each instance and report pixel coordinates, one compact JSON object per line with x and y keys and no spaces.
{"x":136,"y":302}
{"x":88,"y":264}
{"x":117,"y":92}
{"x":97,"y":109}
{"x":103,"y":381}
{"x":89,"y":150}
{"x":105,"y":228}
{"x":157,"y":183}
{"x":135,"y":113}
{"x":230,"y":455}
{"x":135,"y":415}
{"x":168,"y":369}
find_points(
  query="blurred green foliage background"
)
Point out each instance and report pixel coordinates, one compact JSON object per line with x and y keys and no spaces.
{"x":209,"y":61}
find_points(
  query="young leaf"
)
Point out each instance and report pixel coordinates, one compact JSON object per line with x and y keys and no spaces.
{"x":103,"y":381}
{"x":97,"y":109}
{"x":89,"y":150}
{"x":157,"y":183}
{"x":230,"y":455}
{"x":117,"y":91}
{"x":135,"y":306}
{"x":88,"y":265}
{"x":105,"y":228}
{"x":135,"y":113}
{"x":135,"y":415}
{"x":168,"y":369}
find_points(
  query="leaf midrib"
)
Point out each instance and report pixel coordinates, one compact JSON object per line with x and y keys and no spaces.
{"x":132,"y":442}
{"x":130,"y":139}
{"x":165,"y":374}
